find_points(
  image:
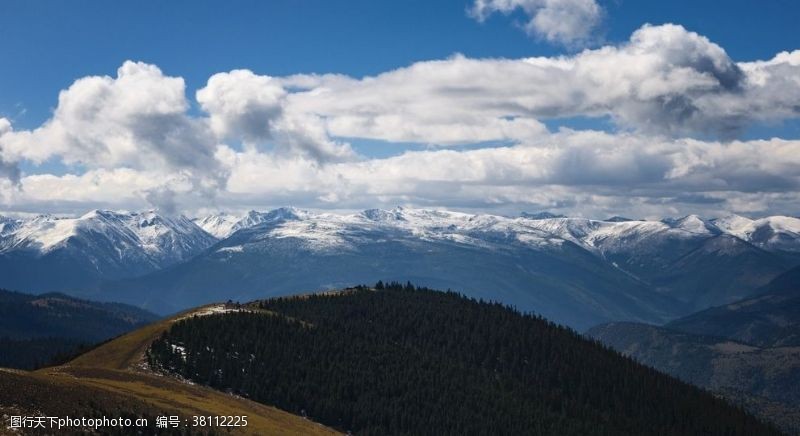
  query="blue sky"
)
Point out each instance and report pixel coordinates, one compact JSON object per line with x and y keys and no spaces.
{"x":432,"y":104}
{"x":49,"y":44}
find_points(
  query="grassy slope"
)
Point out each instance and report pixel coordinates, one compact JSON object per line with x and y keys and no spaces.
{"x":113,"y":377}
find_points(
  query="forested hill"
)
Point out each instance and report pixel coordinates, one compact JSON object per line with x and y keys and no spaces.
{"x":36,"y":328}
{"x":404,"y":360}
{"x":24,"y":316}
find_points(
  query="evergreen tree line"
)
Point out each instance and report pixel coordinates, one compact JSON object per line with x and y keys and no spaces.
{"x":398,"y":359}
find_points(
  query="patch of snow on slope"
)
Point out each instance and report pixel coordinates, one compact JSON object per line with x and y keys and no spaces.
{"x":770,"y":233}
{"x":693,"y":224}
{"x":219,"y":225}
{"x":785,"y":224}
{"x":734,"y":225}
{"x":316,"y":235}
{"x":43,"y":233}
{"x":232,"y":249}
{"x":213,"y":309}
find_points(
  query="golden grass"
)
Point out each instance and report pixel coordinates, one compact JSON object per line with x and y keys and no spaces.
{"x":117,"y":369}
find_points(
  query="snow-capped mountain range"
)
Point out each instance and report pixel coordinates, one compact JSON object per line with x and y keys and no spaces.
{"x":327,"y":230}
{"x":575,"y":270}
{"x":159,"y":239}
{"x":164,"y":240}
{"x":55,"y":253}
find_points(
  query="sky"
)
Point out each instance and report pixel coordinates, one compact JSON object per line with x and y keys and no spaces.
{"x":583,"y":107}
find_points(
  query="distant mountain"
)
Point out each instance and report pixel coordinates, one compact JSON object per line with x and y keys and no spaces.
{"x":720,"y":269}
{"x":688,"y":259}
{"x":219,"y":225}
{"x":222,"y":225}
{"x":34,"y":328}
{"x":618,"y":219}
{"x":769,"y":319}
{"x":766,"y":380}
{"x":572,"y":270}
{"x":48,"y":253}
{"x":402,"y":360}
{"x":775,"y":233}
{"x":541,"y":215}
{"x":748,"y":351}
{"x":514,"y":260}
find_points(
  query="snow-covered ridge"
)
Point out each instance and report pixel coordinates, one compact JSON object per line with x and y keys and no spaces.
{"x":161,"y":240}
{"x":326,"y":231}
{"x":224,"y":224}
{"x":146,"y":237}
{"x":771,"y":233}
{"x":219,"y":225}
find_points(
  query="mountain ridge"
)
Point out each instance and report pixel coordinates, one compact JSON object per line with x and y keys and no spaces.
{"x":79,"y":253}
{"x":748,"y":350}
{"x":602,"y":270}
{"x":287,"y":249}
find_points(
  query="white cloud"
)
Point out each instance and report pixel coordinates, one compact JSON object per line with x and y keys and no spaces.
{"x":8,"y":170}
{"x":136,"y":120}
{"x":242,"y":105}
{"x":251,"y":108}
{"x":665,"y":80}
{"x":589,"y":173}
{"x":5,"y":126}
{"x":576,"y":171}
{"x":564,"y":21}
{"x":141,"y":144}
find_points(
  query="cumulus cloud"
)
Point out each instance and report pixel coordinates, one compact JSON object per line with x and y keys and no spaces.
{"x":563,"y":21}
{"x":676,"y":101}
{"x":242,"y":105}
{"x":134,"y":120}
{"x":575,"y":171}
{"x":163,"y":198}
{"x":251,"y":108}
{"x":8,"y":170}
{"x":578,"y":172}
{"x":664,"y":80}
{"x":5,"y":126}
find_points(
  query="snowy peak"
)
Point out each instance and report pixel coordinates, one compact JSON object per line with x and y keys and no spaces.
{"x":275,"y":216}
{"x":118,"y":236}
{"x":733,"y":224}
{"x":168,"y":239}
{"x":222,"y":225}
{"x":770,"y":233}
{"x":286,"y":213}
{"x":637,"y":238}
{"x":380,"y":215}
{"x":693,"y":224}
{"x":40,"y":234}
{"x":218,"y":225}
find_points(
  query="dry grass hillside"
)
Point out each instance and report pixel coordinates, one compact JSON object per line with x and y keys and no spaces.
{"x":113,"y":380}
